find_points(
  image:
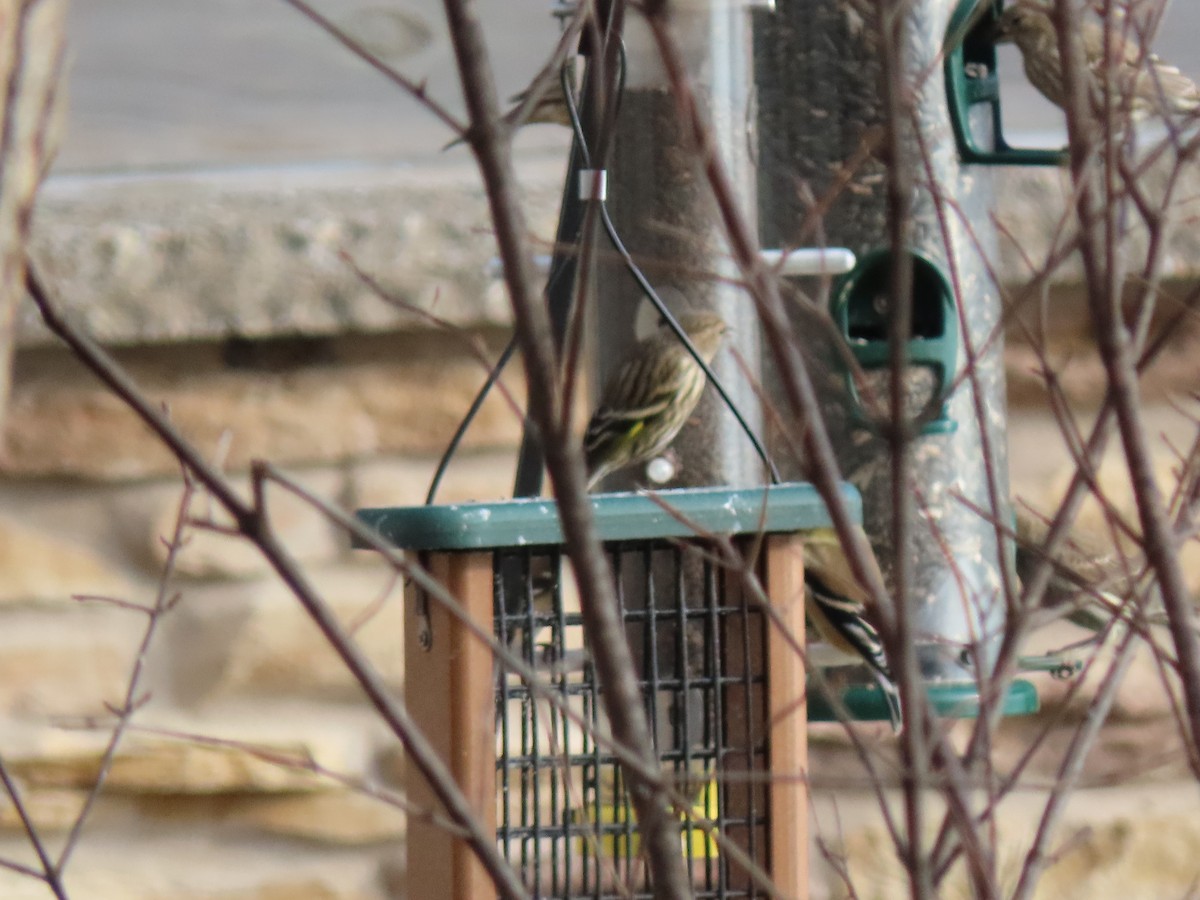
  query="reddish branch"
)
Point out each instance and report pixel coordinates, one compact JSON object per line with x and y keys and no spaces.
{"x":564,"y":460}
{"x":1100,"y":255}
{"x":252,"y":523}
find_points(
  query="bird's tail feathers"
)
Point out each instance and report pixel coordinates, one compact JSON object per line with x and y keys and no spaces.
{"x":891,"y":695}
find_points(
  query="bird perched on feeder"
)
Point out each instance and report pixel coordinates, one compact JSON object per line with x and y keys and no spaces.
{"x":1088,"y":585}
{"x":548,"y":107}
{"x":650,"y":397}
{"x":836,"y":605}
{"x":1142,"y":83}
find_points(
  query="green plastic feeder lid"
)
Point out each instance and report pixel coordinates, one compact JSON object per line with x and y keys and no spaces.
{"x":682,"y":513}
{"x":950,"y":700}
{"x":933,"y":344}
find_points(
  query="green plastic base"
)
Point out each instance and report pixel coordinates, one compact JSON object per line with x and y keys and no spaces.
{"x":951,"y":700}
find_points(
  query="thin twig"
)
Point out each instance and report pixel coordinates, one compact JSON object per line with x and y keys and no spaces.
{"x":415,"y":89}
{"x":50,"y":873}
{"x":564,"y":459}
{"x":163,"y":600}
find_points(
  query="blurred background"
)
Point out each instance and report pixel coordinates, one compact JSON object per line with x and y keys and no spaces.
{"x":218,"y":158}
{"x":168,"y":84}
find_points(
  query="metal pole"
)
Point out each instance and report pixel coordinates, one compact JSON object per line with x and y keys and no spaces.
{"x":820,"y":100}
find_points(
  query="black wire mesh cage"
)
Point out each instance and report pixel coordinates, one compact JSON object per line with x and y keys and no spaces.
{"x":564,"y":817}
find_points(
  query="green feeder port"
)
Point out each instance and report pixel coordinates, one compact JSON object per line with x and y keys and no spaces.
{"x":972,"y":81}
{"x":861,"y":310}
{"x":950,"y":700}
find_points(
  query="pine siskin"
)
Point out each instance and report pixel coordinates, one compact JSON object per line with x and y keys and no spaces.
{"x":1087,"y":582}
{"x":549,"y":107}
{"x":1142,"y":82}
{"x":650,"y":397}
{"x":835,"y":605}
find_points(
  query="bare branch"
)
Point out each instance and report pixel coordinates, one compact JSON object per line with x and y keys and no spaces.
{"x":256,"y":528}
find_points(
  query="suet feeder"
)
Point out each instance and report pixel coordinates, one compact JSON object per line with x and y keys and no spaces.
{"x":721,"y":674}
{"x":722,"y":678}
{"x":861,"y":309}
{"x":973,"y":92}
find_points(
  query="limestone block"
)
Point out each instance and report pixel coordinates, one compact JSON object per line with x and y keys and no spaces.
{"x":1111,"y":845}
{"x":1081,"y":375}
{"x":403,"y":481}
{"x":344,"y":817}
{"x":195,"y":258}
{"x":1113,"y":478}
{"x":312,"y":888}
{"x":150,"y":764}
{"x":52,"y":810}
{"x":1129,"y":751}
{"x":232,"y":753}
{"x":307,"y":535}
{"x":140,"y":869}
{"x":256,"y":640}
{"x":1130,"y":856}
{"x":68,"y":663}
{"x":40,"y":567}
{"x":1031,"y":203}
{"x":404,"y":397}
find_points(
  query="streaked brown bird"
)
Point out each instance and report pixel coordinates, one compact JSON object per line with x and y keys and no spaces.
{"x":549,"y":107}
{"x":1142,"y":83}
{"x":836,"y":605}
{"x":650,"y":397}
{"x":1088,"y":585}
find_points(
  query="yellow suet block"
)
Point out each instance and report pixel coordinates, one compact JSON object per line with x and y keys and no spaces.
{"x":695,"y":842}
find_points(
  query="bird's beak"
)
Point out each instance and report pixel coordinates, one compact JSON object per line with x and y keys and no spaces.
{"x":1000,"y":30}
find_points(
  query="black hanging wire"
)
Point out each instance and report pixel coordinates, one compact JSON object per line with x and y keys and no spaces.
{"x":614,"y":238}
{"x":559,"y":285}
{"x":461,"y":432}
{"x":559,"y":289}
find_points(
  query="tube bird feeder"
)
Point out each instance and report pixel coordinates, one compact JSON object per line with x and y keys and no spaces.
{"x":821,"y":116}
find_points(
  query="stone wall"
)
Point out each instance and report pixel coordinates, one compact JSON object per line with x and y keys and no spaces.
{"x":227,"y":302}
{"x":226,"y":298}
